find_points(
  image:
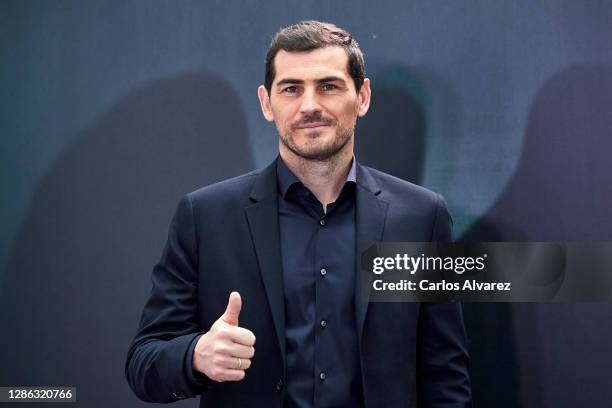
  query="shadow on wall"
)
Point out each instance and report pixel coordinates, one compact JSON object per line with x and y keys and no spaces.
{"x":80,"y":268}
{"x":394,"y":134}
{"x":392,"y":138}
{"x":562,"y":188}
{"x":561,"y":191}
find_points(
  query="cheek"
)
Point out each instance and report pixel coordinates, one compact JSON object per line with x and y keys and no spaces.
{"x":350,"y":111}
{"x":282,"y":122}
{"x":282,"y":116}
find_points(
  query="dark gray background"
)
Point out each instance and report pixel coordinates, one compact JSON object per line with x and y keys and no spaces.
{"x":110,"y":111}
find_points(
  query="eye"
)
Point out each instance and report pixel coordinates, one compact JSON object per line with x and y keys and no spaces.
{"x":290,"y":89}
{"x":329,"y":87}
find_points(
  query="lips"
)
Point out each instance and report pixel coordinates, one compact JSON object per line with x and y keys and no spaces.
{"x":311,"y":125}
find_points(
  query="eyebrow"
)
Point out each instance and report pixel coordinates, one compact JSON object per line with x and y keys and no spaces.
{"x":323,"y":80}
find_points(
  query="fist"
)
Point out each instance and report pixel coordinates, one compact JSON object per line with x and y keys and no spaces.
{"x":225,"y":351}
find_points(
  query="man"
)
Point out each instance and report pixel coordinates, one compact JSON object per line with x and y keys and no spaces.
{"x":256,"y":299}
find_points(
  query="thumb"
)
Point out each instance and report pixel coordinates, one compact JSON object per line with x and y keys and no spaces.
{"x":233,"y":309}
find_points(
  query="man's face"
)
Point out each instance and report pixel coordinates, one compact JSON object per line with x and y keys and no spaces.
{"x":313,"y":102}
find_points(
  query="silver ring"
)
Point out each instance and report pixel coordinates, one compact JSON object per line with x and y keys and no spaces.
{"x":239,"y":363}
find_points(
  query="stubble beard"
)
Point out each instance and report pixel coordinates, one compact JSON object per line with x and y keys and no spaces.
{"x":317,"y":151}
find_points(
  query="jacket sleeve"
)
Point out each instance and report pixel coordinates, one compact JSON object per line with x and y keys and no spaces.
{"x":158,"y":366}
{"x":443,"y":359}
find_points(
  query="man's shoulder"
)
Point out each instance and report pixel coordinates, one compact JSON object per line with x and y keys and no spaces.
{"x":233,"y":188}
{"x":417,"y":213}
{"x":394,"y":188}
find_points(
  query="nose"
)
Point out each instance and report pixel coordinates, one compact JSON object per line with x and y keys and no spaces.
{"x":310,"y":102}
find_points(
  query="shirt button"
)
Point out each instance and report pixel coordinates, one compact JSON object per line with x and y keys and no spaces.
{"x":323,"y":271}
{"x":322,"y":376}
{"x":322,"y":222}
{"x":323,"y":323}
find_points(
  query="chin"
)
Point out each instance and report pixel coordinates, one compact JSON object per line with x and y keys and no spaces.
{"x":317,"y":145}
{"x":319,"y":153}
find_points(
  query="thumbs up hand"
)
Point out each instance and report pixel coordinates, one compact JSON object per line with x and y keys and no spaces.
{"x":225,"y":351}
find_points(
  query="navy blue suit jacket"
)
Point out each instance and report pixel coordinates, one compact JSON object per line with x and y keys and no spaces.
{"x":225,"y":237}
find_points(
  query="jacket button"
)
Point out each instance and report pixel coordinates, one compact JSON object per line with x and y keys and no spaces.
{"x":279,"y":385}
{"x":179,"y":395}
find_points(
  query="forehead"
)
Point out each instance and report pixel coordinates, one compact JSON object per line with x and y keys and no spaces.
{"x":307,"y":65}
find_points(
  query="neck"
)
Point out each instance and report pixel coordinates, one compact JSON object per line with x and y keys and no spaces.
{"x":324,"y":179}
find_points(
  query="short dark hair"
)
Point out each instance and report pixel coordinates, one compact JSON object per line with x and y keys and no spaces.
{"x":311,"y":35}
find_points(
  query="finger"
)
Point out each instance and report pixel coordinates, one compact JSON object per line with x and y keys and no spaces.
{"x":232,"y":311}
{"x":226,"y":374}
{"x":246,"y":363}
{"x":238,"y":335}
{"x":236,"y":350}
{"x":232,"y":363}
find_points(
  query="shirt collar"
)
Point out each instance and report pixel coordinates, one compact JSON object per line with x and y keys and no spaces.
{"x":286,"y":178}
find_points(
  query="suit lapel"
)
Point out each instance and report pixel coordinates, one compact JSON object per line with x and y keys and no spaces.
{"x":263,"y":224}
{"x":371,"y":214}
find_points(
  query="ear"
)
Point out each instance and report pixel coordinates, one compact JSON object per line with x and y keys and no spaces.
{"x":264,"y":101}
{"x":365,"y":93}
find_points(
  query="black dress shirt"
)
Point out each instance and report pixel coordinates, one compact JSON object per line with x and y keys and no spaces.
{"x":318,"y":260}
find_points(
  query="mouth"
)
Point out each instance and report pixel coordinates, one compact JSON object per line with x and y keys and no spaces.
{"x":312,"y":125}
